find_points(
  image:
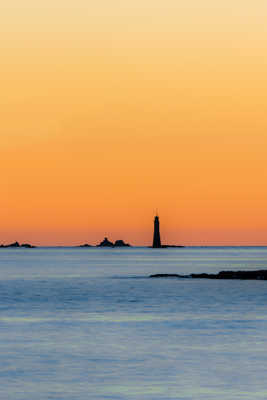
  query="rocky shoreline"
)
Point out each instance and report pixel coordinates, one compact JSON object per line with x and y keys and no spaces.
{"x":241,"y":275}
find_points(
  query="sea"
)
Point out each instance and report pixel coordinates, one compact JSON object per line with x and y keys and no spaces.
{"x":90,"y":324}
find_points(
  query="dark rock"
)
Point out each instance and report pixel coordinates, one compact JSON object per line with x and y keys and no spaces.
{"x":16,"y":245}
{"x":242,"y":275}
{"x":28,"y":246}
{"x":260,"y":274}
{"x":204,"y":276}
{"x":85,"y":245}
{"x":121,"y":243}
{"x":168,"y":276}
{"x":105,"y":243}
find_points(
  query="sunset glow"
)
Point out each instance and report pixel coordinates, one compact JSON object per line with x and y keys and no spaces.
{"x":111,"y":110}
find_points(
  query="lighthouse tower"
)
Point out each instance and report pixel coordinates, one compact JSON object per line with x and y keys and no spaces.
{"x":156,"y":237}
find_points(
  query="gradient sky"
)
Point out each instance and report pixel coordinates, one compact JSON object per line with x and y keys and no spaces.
{"x":111,"y":109}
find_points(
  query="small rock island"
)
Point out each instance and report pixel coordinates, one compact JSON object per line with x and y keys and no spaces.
{"x":17,"y":245}
{"x":118,"y":243}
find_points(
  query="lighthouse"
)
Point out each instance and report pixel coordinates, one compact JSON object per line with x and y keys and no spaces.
{"x":156,"y":237}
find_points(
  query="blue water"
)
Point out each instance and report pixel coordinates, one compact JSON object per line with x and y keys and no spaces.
{"x":80,"y":324}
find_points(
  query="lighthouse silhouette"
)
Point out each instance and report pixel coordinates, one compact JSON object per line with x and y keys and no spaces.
{"x":156,"y":237}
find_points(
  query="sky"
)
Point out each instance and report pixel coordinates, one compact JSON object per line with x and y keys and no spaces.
{"x":111,"y":110}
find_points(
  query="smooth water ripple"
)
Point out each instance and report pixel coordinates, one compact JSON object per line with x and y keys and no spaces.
{"x":89,"y":324}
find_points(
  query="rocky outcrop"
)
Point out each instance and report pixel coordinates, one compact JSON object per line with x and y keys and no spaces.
{"x":84,"y":245}
{"x":242,"y":275}
{"x":118,"y":243}
{"x":16,"y":245}
{"x":121,"y":243}
{"x":105,"y":243}
{"x":168,"y":276}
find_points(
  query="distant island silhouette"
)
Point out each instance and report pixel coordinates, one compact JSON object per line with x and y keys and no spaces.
{"x":16,"y":245}
{"x":107,"y":243}
{"x":242,"y":275}
{"x":118,"y":243}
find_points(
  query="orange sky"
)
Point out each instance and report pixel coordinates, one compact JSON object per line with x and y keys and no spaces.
{"x":112,"y":109}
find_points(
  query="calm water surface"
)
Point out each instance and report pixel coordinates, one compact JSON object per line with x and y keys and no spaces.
{"x":80,"y":324}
